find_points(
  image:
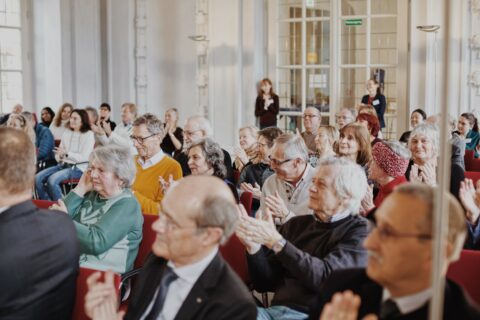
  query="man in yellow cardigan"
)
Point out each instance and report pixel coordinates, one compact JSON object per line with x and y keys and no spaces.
{"x":151,"y":163}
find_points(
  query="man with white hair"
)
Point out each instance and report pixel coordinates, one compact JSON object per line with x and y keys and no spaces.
{"x":196,"y":128}
{"x":397,"y":281}
{"x":295,"y":261}
{"x":345,"y":116}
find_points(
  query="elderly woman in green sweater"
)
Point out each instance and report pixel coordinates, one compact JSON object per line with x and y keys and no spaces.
{"x":106,"y":214}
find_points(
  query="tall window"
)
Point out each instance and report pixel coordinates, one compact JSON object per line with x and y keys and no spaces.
{"x":10,"y":54}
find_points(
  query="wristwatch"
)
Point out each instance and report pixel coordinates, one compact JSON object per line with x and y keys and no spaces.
{"x":279,"y":245}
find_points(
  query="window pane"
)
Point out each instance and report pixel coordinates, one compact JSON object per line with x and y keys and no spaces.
{"x":288,"y":9}
{"x":11,"y":89}
{"x":290,"y":90}
{"x":10,"y":49}
{"x":352,"y":86}
{"x":318,"y":42}
{"x":290,"y":43}
{"x":318,"y":8}
{"x":384,"y":41}
{"x":10,"y":13}
{"x":354,"y":42}
{"x":354,"y":7}
{"x":384,"y":6}
{"x":318,"y":89}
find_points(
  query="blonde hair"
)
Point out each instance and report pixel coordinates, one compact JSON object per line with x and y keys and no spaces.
{"x":25,"y":124}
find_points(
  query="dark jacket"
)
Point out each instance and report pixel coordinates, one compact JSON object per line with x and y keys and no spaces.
{"x":39,"y":264}
{"x":217,"y":294}
{"x":380,"y":104}
{"x":44,"y":143}
{"x":456,"y":306}
{"x":268,"y":118}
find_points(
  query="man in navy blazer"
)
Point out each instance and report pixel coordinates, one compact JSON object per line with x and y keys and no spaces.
{"x":397,"y":281}
{"x":39,"y":248}
{"x":186,"y":277}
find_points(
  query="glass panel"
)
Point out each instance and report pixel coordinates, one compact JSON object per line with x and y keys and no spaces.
{"x":290,"y":89}
{"x":318,"y":8}
{"x":354,"y":42}
{"x":290,"y":123}
{"x":354,"y":7}
{"x":290,"y":43}
{"x":384,"y":41}
{"x":11,"y":90}
{"x":384,"y":6}
{"x":288,"y":9}
{"x":10,"y":49}
{"x":10,"y":13}
{"x":318,"y":89}
{"x":318,"y":42}
{"x":352,"y":86}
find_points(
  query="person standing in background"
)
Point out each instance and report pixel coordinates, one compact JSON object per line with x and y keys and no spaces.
{"x":267,"y":105}
{"x":375,"y":99}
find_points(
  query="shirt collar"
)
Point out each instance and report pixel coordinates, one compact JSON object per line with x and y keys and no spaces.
{"x":152,"y":161}
{"x":409,"y":303}
{"x":305,"y":174}
{"x":3,"y":209}
{"x":192,"y":272}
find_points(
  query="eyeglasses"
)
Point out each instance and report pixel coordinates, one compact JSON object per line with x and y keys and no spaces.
{"x":190,"y":133}
{"x":276,"y":162}
{"x":308,"y":116}
{"x":141,"y":140}
{"x":388,"y":233}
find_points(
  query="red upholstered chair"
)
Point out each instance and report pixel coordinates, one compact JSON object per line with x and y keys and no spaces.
{"x":148,"y":238}
{"x":465,"y":273}
{"x":236,"y":176}
{"x":468,"y":158}
{"x":234,"y":253}
{"x":475,"y":165}
{"x":82,"y":289}
{"x":43,"y":204}
{"x":474,"y":175}
{"x":246,"y":200}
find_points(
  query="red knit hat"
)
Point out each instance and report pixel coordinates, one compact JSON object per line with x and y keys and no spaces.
{"x":390,"y":162}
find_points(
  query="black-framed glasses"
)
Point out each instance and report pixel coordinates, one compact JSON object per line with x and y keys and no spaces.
{"x":278,"y":162}
{"x":141,"y":140}
{"x":385,"y":233}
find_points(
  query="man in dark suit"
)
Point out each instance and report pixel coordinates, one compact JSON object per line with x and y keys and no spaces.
{"x":39,"y":248}
{"x":186,"y":278}
{"x":397,"y":281}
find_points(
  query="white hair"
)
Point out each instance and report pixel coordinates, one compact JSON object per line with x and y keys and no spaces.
{"x":202,"y":124}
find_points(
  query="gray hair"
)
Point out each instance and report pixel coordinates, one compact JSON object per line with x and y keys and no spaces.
{"x":218,"y":212}
{"x":315,"y":110}
{"x":152,"y":122}
{"x":352,"y":111}
{"x":350,"y":181}
{"x":251,"y":129}
{"x":294,"y":146}
{"x":202,"y":124}
{"x":213,"y":156}
{"x":428,"y":130}
{"x":118,"y":160}
{"x":398,"y":149}
{"x":456,"y":216}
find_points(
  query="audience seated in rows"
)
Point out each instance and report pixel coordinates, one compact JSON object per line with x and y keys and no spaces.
{"x":39,"y":264}
{"x":285,"y":193}
{"x":295,"y":261}
{"x":186,"y":277}
{"x":107,"y":216}
{"x":72,"y":156}
{"x":151,"y":163}
{"x":397,"y":281}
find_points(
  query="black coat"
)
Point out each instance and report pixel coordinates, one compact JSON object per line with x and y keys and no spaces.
{"x":217,"y":294}
{"x":39,"y":264}
{"x":456,"y":306}
{"x":379,"y":106}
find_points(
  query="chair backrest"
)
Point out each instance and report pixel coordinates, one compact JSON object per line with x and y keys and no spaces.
{"x":43,"y":204}
{"x":147,"y":239}
{"x":468,"y":157}
{"x":234,"y":253}
{"x":246,"y":200}
{"x":474,"y":165}
{"x":474,"y":175}
{"x":82,"y":289}
{"x":465,"y":273}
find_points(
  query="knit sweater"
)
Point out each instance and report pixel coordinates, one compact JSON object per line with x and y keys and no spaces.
{"x":109,"y":230}
{"x":147,"y":188}
{"x":78,"y":146}
{"x":313,"y":250}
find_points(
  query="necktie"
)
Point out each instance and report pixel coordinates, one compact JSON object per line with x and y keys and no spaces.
{"x":389,"y":310}
{"x":168,"y":277}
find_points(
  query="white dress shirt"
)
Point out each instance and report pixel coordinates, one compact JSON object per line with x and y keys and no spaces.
{"x":120,"y":136}
{"x":152,"y":161}
{"x":180,"y":288}
{"x":410,"y":303}
{"x":296,"y":197}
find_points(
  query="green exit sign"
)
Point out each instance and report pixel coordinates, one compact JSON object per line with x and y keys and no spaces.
{"x":353,"y":22}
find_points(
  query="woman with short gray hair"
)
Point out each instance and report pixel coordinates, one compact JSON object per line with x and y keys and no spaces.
{"x":106,"y":214}
{"x":424,"y":145}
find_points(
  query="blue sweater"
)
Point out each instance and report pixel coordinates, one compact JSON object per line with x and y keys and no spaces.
{"x":44,"y":143}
